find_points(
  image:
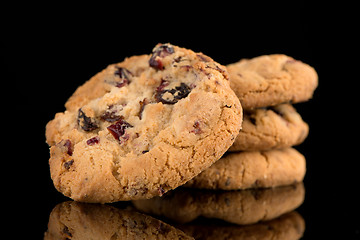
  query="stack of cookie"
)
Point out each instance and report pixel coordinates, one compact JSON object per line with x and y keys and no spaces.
{"x":154,"y":122}
{"x":261,"y":166}
{"x":262,"y":155}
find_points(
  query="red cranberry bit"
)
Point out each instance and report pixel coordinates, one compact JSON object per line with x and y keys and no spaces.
{"x":156,"y":63}
{"x":124,"y":75}
{"x":110,"y":115}
{"x":118,"y":129}
{"x":162,"y":85}
{"x":160,"y":52}
{"x":93,"y":141}
{"x":197,"y":129}
{"x":69,"y":147}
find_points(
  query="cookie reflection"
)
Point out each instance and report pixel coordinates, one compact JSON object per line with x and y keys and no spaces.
{"x":240,"y":207}
{"x":73,"y":220}
{"x":289,"y":226}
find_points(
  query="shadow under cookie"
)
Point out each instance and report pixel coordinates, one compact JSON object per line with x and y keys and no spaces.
{"x":240,"y":207}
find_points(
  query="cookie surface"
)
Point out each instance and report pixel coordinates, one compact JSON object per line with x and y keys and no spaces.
{"x":239,"y":207}
{"x":142,"y":127}
{"x":257,"y":169}
{"x":272,"y":79}
{"x":270,"y":128}
{"x":74,"y":220}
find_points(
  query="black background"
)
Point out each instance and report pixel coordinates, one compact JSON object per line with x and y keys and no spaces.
{"x":48,"y":53}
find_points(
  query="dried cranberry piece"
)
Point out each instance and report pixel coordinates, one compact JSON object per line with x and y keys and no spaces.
{"x":68,"y":164}
{"x":162,"y":85}
{"x":93,"y":141}
{"x":177,"y":93}
{"x":69,"y":147}
{"x":160,"y":52}
{"x":124,"y":75}
{"x":118,"y":129}
{"x":110,"y":115}
{"x":197,"y":128}
{"x":85,"y":122}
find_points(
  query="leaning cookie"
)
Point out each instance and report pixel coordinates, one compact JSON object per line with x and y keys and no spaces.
{"x":240,"y":207}
{"x":74,"y":220}
{"x":257,"y":169}
{"x":270,"y":128}
{"x":142,"y":127}
{"x":272,"y":79}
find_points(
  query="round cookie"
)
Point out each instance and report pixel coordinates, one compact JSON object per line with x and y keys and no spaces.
{"x":74,"y":220}
{"x":272,"y":79}
{"x":269,"y":128}
{"x":257,"y":169}
{"x":142,"y":127}
{"x":240,"y":207}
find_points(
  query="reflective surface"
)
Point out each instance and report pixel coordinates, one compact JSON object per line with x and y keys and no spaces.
{"x":186,"y":214}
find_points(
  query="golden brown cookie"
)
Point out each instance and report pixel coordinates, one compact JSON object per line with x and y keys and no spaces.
{"x":143,"y":126}
{"x":272,"y":79}
{"x":257,"y":169}
{"x":274,"y":127}
{"x":74,"y":220}
{"x":240,"y":207}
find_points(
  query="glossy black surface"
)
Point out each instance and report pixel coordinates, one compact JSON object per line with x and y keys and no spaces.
{"x":47,"y":54}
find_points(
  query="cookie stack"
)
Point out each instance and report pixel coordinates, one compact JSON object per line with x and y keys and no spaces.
{"x":154,"y":122}
{"x":261,"y":168}
{"x":262,"y":155}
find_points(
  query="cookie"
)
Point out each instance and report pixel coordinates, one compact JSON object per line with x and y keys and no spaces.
{"x":240,"y":207}
{"x":143,"y":126}
{"x":257,"y":169}
{"x":272,"y":79}
{"x":288,"y":226}
{"x":74,"y":220}
{"x":270,"y":128}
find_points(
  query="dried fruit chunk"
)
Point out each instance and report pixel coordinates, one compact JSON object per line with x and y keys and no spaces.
{"x":118,"y":129}
{"x":66,"y":146}
{"x":93,"y":141}
{"x":85,"y":122}
{"x":158,"y":53}
{"x":172,"y":96}
{"x":68,"y":164}
{"x":124,"y":75}
{"x":197,"y":127}
{"x":111,"y":114}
